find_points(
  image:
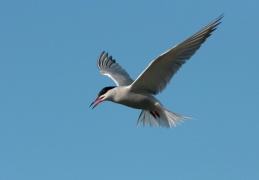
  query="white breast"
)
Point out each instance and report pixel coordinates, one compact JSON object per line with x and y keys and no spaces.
{"x":123,"y":95}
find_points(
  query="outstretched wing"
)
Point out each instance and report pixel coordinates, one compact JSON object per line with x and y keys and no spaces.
{"x":157,"y":75}
{"x":109,"y":67}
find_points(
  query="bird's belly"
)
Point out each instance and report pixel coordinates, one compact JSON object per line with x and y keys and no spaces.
{"x":138,"y":101}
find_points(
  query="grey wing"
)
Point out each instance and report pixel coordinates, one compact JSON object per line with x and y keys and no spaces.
{"x":157,"y":75}
{"x":109,"y":67}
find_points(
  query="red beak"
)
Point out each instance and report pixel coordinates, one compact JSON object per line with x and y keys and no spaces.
{"x":96,"y":102}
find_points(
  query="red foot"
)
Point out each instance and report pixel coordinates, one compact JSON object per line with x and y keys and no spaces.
{"x":155,"y":114}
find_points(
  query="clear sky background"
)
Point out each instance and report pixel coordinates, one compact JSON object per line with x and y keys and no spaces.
{"x":48,"y":78}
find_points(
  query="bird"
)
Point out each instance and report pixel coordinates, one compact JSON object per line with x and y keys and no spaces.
{"x":140,"y":94}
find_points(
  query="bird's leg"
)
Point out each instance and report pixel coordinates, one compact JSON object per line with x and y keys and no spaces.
{"x":155,"y":114}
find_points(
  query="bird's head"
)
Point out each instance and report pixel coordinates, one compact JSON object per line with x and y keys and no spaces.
{"x":102,"y":96}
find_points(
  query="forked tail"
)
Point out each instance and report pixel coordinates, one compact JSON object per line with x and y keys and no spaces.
{"x":162,"y":117}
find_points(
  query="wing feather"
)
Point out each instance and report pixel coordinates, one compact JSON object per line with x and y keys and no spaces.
{"x":157,"y":75}
{"x":110,"y":68}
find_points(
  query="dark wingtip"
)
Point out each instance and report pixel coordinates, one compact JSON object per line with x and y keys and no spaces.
{"x":98,"y":61}
{"x":217,"y":21}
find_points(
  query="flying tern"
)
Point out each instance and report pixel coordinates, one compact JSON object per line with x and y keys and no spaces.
{"x":139,"y":94}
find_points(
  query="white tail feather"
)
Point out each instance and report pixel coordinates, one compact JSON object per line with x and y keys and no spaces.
{"x":167,"y":118}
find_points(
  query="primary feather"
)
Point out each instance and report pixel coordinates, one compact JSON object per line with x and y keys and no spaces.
{"x":109,"y":67}
{"x":157,"y":75}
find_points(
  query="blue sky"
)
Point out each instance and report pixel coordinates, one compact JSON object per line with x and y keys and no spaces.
{"x":48,"y":78}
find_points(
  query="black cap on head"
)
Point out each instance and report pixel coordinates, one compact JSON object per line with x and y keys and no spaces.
{"x":104,"y":90}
